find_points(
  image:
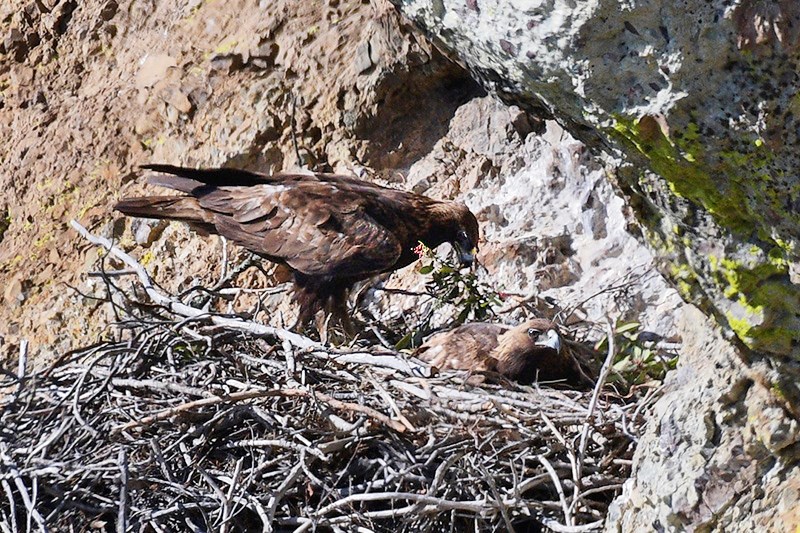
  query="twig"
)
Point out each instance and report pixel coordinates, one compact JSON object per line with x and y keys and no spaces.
{"x":561,"y":528}
{"x":252,"y":394}
{"x":277,"y":443}
{"x":390,"y":402}
{"x":559,"y":489}
{"x":601,"y":380}
{"x":14,"y":472}
{"x":22,"y":364}
{"x":479,"y":507}
{"x":12,"y":505}
{"x":122,"y":515}
{"x":499,"y":500}
{"x":391,"y":361}
{"x":274,"y":500}
{"x":186,"y":310}
{"x":627,"y":281}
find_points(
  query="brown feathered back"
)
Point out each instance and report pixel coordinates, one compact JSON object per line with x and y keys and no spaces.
{"x":331,"y":230}
{"x":467,"y":347}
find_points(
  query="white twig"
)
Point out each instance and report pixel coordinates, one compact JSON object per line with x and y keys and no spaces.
{"x":394,"y":362}
{"x":12,"y":505}
{"x":277,"y":444}
{"x":224,"y":265}
{"x":390,"y":401}
{"x":122,"y":514}
{"x":498,"y":499}
{"x":227,"y":511}
{"x":480,"y":507}
{"x":559,"y":489}
{"x":290,"y":480}
{"x":561,"y":528}
{"x":11,"y":468}
{"x":601,"y":379}
{"x":23,"y":363}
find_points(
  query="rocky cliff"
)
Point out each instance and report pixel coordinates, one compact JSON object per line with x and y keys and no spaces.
{"x":700,"y":97}
{"x":90,"y":90}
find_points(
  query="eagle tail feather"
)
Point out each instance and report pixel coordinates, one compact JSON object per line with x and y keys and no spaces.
{"x":182,"y":208}
{"x":211,"y":176}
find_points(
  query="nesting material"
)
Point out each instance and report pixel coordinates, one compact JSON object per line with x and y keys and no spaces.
{"x":199,"y":421}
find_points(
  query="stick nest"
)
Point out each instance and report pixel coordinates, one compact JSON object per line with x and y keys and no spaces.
{"x":192,"y":420}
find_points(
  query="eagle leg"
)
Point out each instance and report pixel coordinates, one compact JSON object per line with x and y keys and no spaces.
{"x":340,"y":314}
{"x":325,"y":306}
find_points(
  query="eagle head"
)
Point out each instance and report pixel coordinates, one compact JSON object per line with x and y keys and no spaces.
{"x":532,"y":351}
{"x":465,"y":240}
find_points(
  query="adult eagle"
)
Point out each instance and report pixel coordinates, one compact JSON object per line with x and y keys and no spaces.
{"x":526,"y":353}
{"x":331,"y":231}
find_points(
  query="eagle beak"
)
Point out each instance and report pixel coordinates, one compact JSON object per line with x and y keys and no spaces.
{"x":465,"y":257}
{"x":550,"y":340}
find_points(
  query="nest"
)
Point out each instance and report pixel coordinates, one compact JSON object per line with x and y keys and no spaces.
{"x":192,"y":420}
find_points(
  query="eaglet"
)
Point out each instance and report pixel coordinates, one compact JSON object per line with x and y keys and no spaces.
{"x":526,"y":353}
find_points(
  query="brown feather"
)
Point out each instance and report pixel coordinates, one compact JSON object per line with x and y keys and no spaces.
{"x":513,"y":352}
{"x":173,"y":207}
{"x":332,"y":231}
{"x":466,"y":347}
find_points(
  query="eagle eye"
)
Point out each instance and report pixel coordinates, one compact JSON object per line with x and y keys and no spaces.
{"x":534,"y":333}
{"x":462,"y":235}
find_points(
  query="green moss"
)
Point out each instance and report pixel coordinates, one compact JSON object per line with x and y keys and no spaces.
{"x":778,"y":391}
{"x":685,"y":280}
{"x":746,"y":281}
{"x":769,"y":302}
{"x":685,"y":176}
{"x":742,"y":327}
{"x":764,"y":305}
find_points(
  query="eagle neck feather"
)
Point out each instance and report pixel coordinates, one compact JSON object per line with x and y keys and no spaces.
{"x":510,"y":353}
{"x":437,"y":222}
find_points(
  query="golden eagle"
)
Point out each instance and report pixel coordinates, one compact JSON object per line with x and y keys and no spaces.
{"x":331,"y":231}
{"x":526,"y":353}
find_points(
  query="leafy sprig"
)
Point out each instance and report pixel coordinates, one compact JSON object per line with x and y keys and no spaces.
{"x":472,"y":298}
{"x":639,"y":359}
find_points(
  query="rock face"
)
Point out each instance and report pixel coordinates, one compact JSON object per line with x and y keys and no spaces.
{"x":720,"y":452}
{"x":700,"y":97}
{"x":700,"y":100}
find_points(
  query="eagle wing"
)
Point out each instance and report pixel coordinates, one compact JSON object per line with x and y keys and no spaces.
{"x":315,"y":227}
{"x":466,"y":347}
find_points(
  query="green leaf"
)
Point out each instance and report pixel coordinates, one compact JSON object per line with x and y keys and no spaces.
{"x":626,"y":327}
{"x":427,"y":269}
{"x":405,"y":342}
